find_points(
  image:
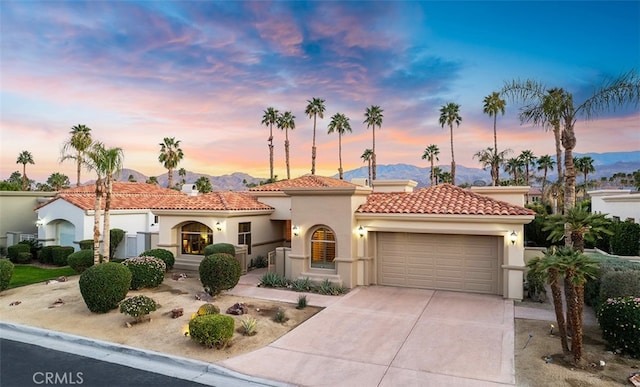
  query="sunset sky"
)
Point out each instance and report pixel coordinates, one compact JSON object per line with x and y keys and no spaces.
{"x":204,"y":72}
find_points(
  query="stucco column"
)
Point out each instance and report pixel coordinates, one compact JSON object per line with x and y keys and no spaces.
{"x":514,"y":266}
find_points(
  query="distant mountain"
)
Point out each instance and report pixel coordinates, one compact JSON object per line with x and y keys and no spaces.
{"x":610,"y":158}
{"x":233,"y":182}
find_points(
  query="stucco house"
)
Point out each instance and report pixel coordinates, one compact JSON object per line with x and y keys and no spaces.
{"x":622,"y":204}
{"x":442,"y":237}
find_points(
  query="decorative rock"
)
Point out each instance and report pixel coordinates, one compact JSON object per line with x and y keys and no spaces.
{"x":204,"y":296}
{"x":14,"y":303}
{"x":238,"y":309}
{"x":175,"y":313}
{"x":178,"y":276}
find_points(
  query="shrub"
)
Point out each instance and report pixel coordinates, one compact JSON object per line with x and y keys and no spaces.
{"x":260,"y":262}
{"x":249,"y":326}
{"x":626,"y":238}
{"x":14,"y":251}
{"x":605,"y":264}
{"x":116,"y":236}
{"x":104,"y":286}
{"x":619,"y":284}
{"x":81,"y":260}
{"x":534,"y":235}
{"x":219,"y":272}
{"x":329,"y":288}
{"x":279,"y":317}
{"x":536,"y":285}
{"x":6,"y":271}
{"x":302,"y":301}
{"x":86,"y":244}
{"x":212,"y":330}
{"x":619,"y":319}
{"x":146,"y":272}
{"x":208,"y":308}
{"x":24,"y":257}
{"x":273,"y":280}
{"x":138,"y":306}
{"x":216,"y":248}
{"x":302,"y":285}
{"x":46,"y":254}
{"x":60,"y":254}
{"x":164,"y":255}
{"x":34,"y":246}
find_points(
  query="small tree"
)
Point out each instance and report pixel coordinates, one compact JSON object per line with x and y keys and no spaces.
{"x":580,"y":223}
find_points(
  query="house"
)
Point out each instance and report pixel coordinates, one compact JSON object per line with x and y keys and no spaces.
{"x":18,"y":221}
{"x":621,"y":204}
{"x":441,"y":237}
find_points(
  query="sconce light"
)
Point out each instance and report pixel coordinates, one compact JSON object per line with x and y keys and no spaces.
{"x":361,"y":231}
{"x":39,"y":222}
{"x":295,"y":230}
{"x":218,"y":226}
{"x":513,"y":237}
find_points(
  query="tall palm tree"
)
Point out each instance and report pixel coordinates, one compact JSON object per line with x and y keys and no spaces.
{"x":24,"y":158}
{"x":488,"y":158}
{"x":269,"y":119}
{"x":110,"y":164}
{"x":514,"y":166}
{"x":183,"y":174}
{"x":340,"y":124}
{"x":528,"y":159}
{"x":58,"y":181}
{"x":94,"y":161}
{"x":285,"y":122}
{"x":545,"y":163}
{"x":553,"y":104}
{"x":314,"y":109}
{"x":431,"y":153}
{"x":373,"y":117}
{"x":584,"y":165}
{"x":80,"y":141}
{"x":450,"y":114}
{"x":170,"y":156}
{"x":366,"y":156}
{"x":493,"y":105}
{"x":437,"y":172}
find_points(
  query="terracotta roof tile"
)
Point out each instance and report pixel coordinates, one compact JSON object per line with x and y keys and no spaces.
{"x":306,"y":181}
{"x":444,"y":199}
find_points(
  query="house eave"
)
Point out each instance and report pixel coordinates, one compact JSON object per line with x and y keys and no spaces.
{"x":511,"y":219}
{"x":328,"y":191}
{"x":209,"y":213}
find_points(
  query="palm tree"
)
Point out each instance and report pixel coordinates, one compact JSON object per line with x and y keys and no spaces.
{"x":528,"y":159}
{"x":110,"y":164}
{"x":449,"y":114}
{"x":514,"y":166}
{"x":366,"y":156}
{"x":445,"y":177}
{"x":80,"y":142}
{"x":58,"y":181}
{"x":270,"y":118}
{"x":94,"y":161}
{"x":580,"y":223}
{"x":373,"y":117}
{"x":25,"y":158}
{"x":170,"y":156}
{"x":314,"y":109}
{"x":431,"y":153}
{"x":152,"y":180}
{"x":614,"y":93}
{"x":585,"y":166}
{"x":339,"y":123}
{"x":182,"y":173}
{"x":203,"y":184}
{"x":437,"y":172}
{"x":488,"y":158}
{"x":545,"y":163}
{"x":493,"y":105}
{"x":286,"y":122}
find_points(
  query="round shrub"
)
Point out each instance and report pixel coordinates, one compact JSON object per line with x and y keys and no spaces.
{"x":24,"y":257}
{"x":103,"y":286}
{"x":619,"y":319}
{"x":146,"y":272}
{"x":60,"y":254}
{"x":208,"y":309}
{"x":212,"y":330}
{"x":46,"y":254}
{"x":219,"y":272}
{"x":86,"y":244}
{"x":6,"y":271}
{"x":138,"y":306}
{"x":81,"y":260}
{"x":216,"y":248}
{"x":13,"y":253}
{"x":165,"y":255}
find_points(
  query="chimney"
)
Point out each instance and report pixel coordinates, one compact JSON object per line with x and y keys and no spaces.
{"x":190,"y":189}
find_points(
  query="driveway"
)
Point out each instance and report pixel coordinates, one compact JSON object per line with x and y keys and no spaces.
{"x":387,"y":336}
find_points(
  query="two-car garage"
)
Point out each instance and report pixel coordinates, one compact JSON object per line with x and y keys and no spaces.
{"x":470,"y":263}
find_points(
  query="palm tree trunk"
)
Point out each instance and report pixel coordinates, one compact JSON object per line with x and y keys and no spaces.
{"x":576,"y":342}
{"x":96,"y":222}
{"x":271,"y":152}
{"x":432,"y":176}
{"x":569,"y":142}
{"x":369,"y":160}
{"x":556,"y":294}
{"x":556,"y":134}
{"x":313,"y":148}
{"x":453,"y":159}
{"x":570,"y":300}
{"x":169,"y":184}
{"x":286,"y":152}
{"x":78,"y":166}
{"x":544,"y":183}
{"x":495,"y":136}
{"x":494,"y":165}
{"x":106,"y":227}
{"x":24,"y":177}
{"x":373,"y":155}
{"x":340,"y":155}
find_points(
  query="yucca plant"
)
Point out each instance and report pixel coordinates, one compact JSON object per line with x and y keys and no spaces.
{"x":302,"y":302}
{"x":249,"y":326}
{"x":302,"y":285}
{"x":279,"y":317}
{"x":273,"y":280}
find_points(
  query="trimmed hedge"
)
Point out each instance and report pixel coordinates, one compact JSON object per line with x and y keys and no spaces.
{"x":59,"y":255}
{"x":606,"y":265}
{"x":219,"y":272}
{"x":13,"y":253}
{"x":626,"y":239}
{"x":212,"y":330}
{"x":6,"y":271}
{"x":162,"y":254}
{"x":216,"y":248}
{"x":103,"y":286}
{"x":619,"y":284}
{"x":81,"y":260}
{"x":116,"y":236}
{"x":146,"y":272}
{"x":46,"y":254}
{"x":208,"y":308}
{"x":86,"y":244}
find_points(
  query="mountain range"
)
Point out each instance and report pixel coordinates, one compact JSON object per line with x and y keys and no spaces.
{"x":605,"y":164}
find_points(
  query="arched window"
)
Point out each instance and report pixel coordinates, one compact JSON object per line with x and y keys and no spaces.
{"x":323,"y":248}
{"x":195,"y":236}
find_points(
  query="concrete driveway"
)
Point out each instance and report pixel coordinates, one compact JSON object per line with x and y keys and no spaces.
{"x":387,"y":336}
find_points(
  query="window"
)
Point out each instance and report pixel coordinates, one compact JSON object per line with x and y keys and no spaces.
{"x":323,"y":249}
{"x":244,"y":235}
{"x":195,"y":237}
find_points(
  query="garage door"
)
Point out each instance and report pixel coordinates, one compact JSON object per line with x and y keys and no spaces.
{"x":467,"y":263}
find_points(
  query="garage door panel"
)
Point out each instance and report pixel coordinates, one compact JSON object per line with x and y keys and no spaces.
{"x":449,"y":262}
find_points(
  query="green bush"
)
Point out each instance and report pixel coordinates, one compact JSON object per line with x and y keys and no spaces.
{"x":533,"y":233}
{"x":81,"y":260}
{"x":138,"y":306}
{"x":34,"y":247}
{"x":24,"y":257}
{"x":86,"y":244}
{"x":146,"y":272}
{"x":216,"y":248}
{"x":605,"y":265}
{"x":208,"y":309}
{"x":619,"y":319}
{"x":272,"y":279}
{"x":626,"y":239}
{"x":212,"y":330}
{"x":103,"y":286}
{"x":116,"y":236}
{"x":14,"y":251}
{"x":619,"y":284}
{"x":219,"y":272}
{"x":6,"y":271}
{"x":302,"y":284}
{"x":165,"y":255}
{"x":260,"y":262}
{"x":59,"y":255}
{"x":46,"y":254}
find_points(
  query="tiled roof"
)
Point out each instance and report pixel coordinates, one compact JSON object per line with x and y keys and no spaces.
{"x":444,"y":199}
{"x":306,"y":181}
{"x":131,"y":196}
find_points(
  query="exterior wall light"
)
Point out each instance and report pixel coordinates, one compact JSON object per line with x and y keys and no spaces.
{"x":295,"y":230}
{"x":218,"y":226}
{"x":361,"y":231}
{"x":39,"y":222}
{"x":513,"y":237}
